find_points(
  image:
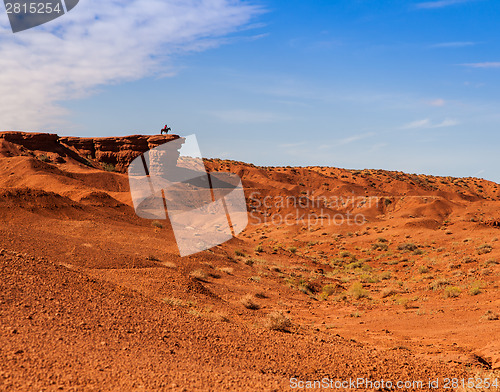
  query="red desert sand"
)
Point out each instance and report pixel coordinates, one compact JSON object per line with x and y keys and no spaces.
{"x":341,"y":276}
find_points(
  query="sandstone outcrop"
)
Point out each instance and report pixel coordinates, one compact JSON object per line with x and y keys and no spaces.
{"x":115,"y":151}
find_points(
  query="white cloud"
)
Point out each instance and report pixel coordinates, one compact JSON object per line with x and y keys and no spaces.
{"x":101,"y":43}
{"x":354,"y":138}
{"x":437,"y":102}
{"x":448,"y":122}
{"x":417,"y":124}
{"x":439,"y":4}
{"x":483,"y":65}
{"x":427,"y":124}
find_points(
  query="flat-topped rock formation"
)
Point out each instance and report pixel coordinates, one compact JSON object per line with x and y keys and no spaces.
{"x":93,"y":151}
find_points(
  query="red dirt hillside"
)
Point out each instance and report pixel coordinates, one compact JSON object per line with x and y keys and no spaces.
{"x":340,"y":274}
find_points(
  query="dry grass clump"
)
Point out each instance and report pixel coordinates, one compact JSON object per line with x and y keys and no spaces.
{"x":328,"y":290}
{"x":357,"y":291}
{"x":452,"y":292}
{"x":199,"y":275}
{"x":423,"y":269}
{"x":388,"y":292}
{"x":227,"y":270}
{"x":157,"y":224}
{"x":439,"y":283}
{"x":475,"y":288}
{"x":249,"y":303}
{"x":408,"y":247}
{"x":277,"y":321}
{"x":490,"y":315}
{"x":380,"y":246}
{"x":483,"y":249}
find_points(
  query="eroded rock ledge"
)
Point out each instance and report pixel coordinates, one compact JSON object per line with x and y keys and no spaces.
{"x":116,"y":151}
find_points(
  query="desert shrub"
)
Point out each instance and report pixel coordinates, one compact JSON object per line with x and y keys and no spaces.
{"x":174,"y":301}
{"x":452,"y":291}
{"x":407,"y":247}
{"x":277,"y":321}
{"x":108,"y":166}
{"x":292,"y":249}
{"x":344,"y":253}
{"x":387,"y":292}
{"x":475,"y":288}
{"x":439,"y":283}
{"x":227,"y":270}
{"x":259,"y":249}
{"x":483,"y":249}
{"x":423,"y":269}
{"x":403,"y":301}
{"x":385,"y":275}
{"x":260,"y":294}
{"x":249,"y":303}
{"x":490,"y":315}
{"x":43,"y":158}
{"x":328,"y":290}
{"x":357,"y":291}
{"x":157,"y":224}
{"x":199,"y":275}
{"x":369,"y":278}
{"x":380,"y":246}
{"x":240,"y":253}
{"x":152,"y":258}
{"x":355,"y":265}
{"x":249,"y":262}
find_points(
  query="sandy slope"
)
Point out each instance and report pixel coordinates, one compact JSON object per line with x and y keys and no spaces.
{"x":94,"y":298}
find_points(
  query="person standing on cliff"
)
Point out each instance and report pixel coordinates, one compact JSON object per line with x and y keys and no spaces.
{"x":165,"y":129}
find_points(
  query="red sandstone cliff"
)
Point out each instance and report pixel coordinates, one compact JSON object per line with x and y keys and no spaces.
{"x":116,"y":151}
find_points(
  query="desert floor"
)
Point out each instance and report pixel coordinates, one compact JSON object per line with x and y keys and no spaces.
{"x":387,"y":276}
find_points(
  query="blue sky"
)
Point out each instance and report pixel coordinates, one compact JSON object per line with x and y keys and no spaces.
{"x":399,"y":85}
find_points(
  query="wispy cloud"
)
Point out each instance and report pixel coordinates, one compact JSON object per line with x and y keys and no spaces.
{"x":101,"y":43}
{"x":437,"y":102}
{"x":483,"y":65}
{"x":427,"y":124}
{"x":439,"y":4}
{"x":347,"y":140}
{"x":458,"y":44}
{"x":417,"y":124}
{"x":354,"y":138}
